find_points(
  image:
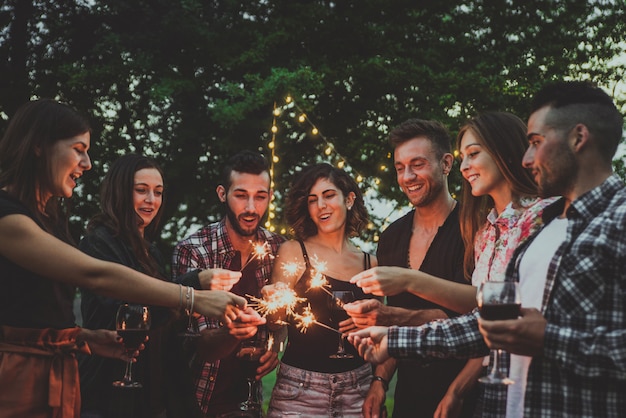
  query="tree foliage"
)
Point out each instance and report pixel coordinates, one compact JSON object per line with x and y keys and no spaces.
{"x":191,"y":82}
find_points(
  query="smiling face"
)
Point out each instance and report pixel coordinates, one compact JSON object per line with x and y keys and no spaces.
{"x":247,"y":200}
{"x":419,"y":172}
{"x":479,"y":168}
{"x":328,"y":207}
{"x":68,"y":161}
{"x":147,"y":195}
{"x":549,"y":157}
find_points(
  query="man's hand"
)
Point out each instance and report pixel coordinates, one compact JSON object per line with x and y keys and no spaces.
{"x":523,"y":336}
{"x":366,"y":312}
{"x":268,"y":361}
{"x":371,"y":344}
{"x":245,"y":326}
{"x":374,"y":400}
{"x":218,"y":279}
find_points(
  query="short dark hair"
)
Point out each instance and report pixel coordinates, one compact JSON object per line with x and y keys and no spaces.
{"x":249,"y":162}
{"x":296,"y":203}
{"x":436,"y":132}
{"x":573,"y":102}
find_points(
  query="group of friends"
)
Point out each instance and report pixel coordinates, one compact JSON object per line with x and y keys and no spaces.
{"x":540,"y":205}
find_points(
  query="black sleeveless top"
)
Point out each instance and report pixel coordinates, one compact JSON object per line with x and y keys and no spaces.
{"x":310,"y":350}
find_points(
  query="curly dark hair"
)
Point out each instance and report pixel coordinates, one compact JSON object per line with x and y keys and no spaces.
{"x":296,"y":205}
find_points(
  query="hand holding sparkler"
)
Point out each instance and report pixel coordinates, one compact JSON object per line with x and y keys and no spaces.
{"x":218,"y":279}
{"x":245,"y":326}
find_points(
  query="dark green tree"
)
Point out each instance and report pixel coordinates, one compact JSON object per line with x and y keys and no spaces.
{"x":193,"y":81}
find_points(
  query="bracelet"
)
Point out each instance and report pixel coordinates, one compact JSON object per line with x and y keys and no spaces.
{"x":383,"y":381}
{"x":180,"y":296}
{"x":193,"y":299}
{"x":188,"y":304}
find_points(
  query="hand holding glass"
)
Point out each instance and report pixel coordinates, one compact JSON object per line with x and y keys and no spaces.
{"x":498,"y":301}
{"x":132,"y":323}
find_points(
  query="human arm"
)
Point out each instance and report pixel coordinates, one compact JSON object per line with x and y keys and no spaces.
{"x":452,"y":402}
{"x":40,"y":252}
{"x":371,"y":312}
{"x":389,"y":281}
{"x":376,"y":395}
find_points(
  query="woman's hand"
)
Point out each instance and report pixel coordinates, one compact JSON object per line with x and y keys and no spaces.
{"x":219,"y":304}
{"x":106,"y":343}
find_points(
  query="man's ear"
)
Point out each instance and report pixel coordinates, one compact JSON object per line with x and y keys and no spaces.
{"x":221,"y":193}
{"x":581,"y":138}
{"x":447,"y":161}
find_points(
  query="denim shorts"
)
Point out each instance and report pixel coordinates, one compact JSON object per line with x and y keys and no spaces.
{"x":309,"y":394}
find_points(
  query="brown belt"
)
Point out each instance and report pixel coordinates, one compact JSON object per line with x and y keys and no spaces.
{"x":61,"y":346}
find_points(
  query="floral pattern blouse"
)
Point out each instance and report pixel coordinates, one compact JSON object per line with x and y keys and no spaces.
{"x":502,"y":234}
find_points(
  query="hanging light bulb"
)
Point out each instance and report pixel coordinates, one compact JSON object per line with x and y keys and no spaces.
{"x":314,"y":131}
{"x":341,"y":164}
{"x":301,"y":118}
{"x":275,"y":159}
{"x":359,"y":178}
{"x":274,"y":128}
{"x":288,"y":99}
{"x":328,"y":150}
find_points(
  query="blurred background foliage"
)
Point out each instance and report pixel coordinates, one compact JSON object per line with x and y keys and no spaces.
{"x":191,"y":82}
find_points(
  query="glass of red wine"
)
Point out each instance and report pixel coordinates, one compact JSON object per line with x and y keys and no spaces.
{"x":338,"y":314}
{"x":498,"y":300}
{"x":132,"y":323}
{"x":249,"y":353}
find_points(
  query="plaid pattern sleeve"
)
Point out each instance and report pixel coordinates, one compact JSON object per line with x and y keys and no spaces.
{"x":211,"y":247}
{"x":448,"y":338}
{"x":582,"y":372}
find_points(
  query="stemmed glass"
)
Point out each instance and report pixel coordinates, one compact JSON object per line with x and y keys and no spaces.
{"x":338,"y":314}
{"x":132,"y":323}
{"x":249,"y":353}
{"x":498,"y":300}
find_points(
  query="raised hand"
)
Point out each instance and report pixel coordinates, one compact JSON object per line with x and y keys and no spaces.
{"x":371,"y":344}
{"x":218,"y":279}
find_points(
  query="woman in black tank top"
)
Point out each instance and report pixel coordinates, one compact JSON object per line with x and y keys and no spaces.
{"x":324,"y":207}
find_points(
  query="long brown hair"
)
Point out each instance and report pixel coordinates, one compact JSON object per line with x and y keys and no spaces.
{"x":25,"y":165}
{"x":118,"y":209}
{"x":503,"y":136}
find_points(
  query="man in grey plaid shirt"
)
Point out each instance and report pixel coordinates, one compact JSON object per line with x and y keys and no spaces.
{"x":576,"y":343}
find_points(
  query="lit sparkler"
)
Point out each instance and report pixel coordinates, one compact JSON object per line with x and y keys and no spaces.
{"x":318,"y":279}
{"x":259,"y":251}
{"x":306,"y":319}
{"x":282,"y":298}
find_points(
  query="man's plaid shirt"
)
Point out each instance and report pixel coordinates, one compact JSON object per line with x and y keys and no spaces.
{"x":582,"y":372}
{"x":212,"y":248}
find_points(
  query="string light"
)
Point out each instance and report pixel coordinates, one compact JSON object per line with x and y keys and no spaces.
{"x":329,"y":151}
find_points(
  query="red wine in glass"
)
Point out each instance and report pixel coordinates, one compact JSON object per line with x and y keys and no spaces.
{"x":498,"y":300}
{"x":132,"y":323}
{"x":499,"y":312}
{"x":250,"y":351}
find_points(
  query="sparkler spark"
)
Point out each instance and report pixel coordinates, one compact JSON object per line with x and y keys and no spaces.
{"x":306,"y":319}
{"x":289,"y":269}
{"x":259,"y":251}
{"x":282,"y":298}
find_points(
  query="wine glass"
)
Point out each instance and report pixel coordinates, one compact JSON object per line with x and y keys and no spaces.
{"x":132,"y":323}
{"x":338,"y":314}
{"x":498,"y":300}
{"x":249,"y":353}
